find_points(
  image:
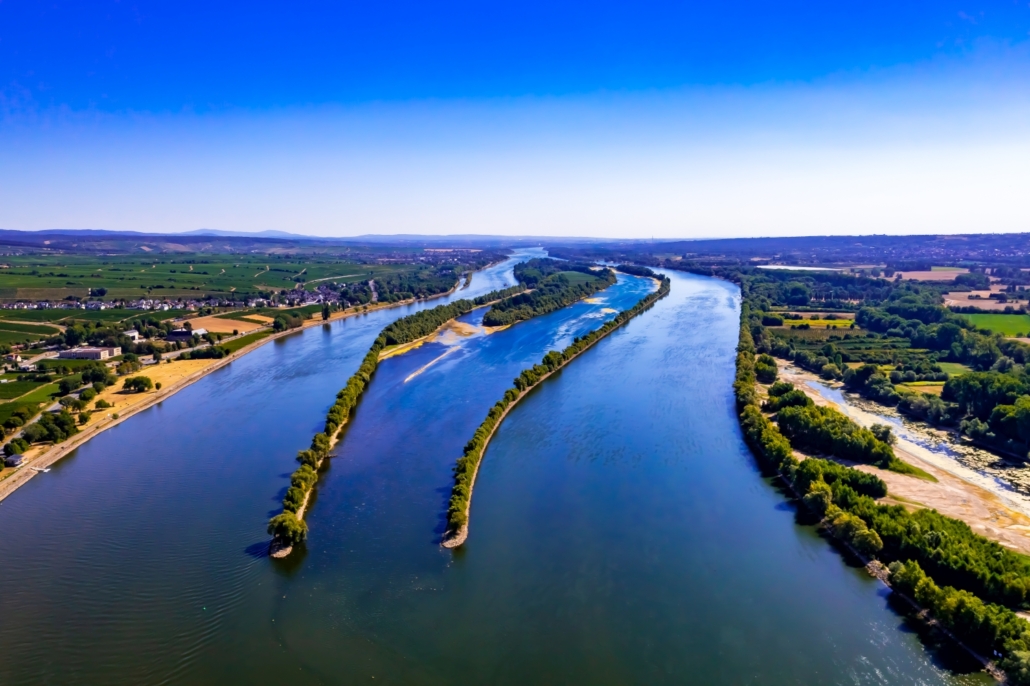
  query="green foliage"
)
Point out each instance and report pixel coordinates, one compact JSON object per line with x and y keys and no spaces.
{"x":468,"y":464}
{"x":827,"y":431}
{"x":404,"y":330}
{"x":137,"y":384}
{"x":243,"y":341}
{"x":283,"y":322}
{"x":287,"y":528}
{"x":211,"y":352}
{"x":54,"y":427}
{"x":16,"y":446}
{"x":986,"y":627}
{"x":424,"y":323}
{"x":552,"y":287}
{"x":765,"y":369}
{"x":974,"y":567}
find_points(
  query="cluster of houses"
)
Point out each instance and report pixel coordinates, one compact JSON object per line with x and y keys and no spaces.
{"x":295,"y":298}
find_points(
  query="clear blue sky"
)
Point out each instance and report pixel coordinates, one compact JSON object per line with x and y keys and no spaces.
{"x":625,"y":119}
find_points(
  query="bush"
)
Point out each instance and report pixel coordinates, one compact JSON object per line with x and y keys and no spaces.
{"x":16,"y":446}
{"x":102,"y":404}
{"x":138,"y":384}
{"x":765,"y":369}
{"x":67,"y":385}
{"x":287,"y":528}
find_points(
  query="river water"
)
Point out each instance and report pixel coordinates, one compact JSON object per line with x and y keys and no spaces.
{"x":620,"y":532}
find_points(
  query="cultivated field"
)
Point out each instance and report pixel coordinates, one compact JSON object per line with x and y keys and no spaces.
{"x":935,"y":274}
{"x":1014,"y":325}
{"x":55,"y":277}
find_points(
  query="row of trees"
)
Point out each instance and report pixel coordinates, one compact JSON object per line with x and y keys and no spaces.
{"x":287,"y":527}
{"x":986,"y":627}
{"x":972,"y":566}
{"x":468,"y":464}
{"x":424,"y":323}
{"x":552,"y":290}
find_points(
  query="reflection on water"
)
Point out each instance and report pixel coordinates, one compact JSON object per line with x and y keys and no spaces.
{"x":620,"y":531}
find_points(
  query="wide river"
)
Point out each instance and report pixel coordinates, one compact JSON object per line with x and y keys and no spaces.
{"x":620,"y":532}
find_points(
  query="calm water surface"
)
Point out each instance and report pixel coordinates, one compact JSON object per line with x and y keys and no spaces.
{"x":620,"y":532}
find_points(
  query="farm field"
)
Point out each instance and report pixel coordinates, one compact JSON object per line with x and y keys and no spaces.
{"x":820,"y":323}
{"x":934,"y":274}
{"x":1015,"y":325}
{"x":65,"y":315}
{"x":954,"y":368}
{"x":576,"y":277}
{"x":54,"y":277}
{"x":934,"y":387}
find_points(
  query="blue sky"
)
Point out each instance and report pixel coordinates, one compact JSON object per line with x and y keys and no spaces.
{"x":620,"y":120}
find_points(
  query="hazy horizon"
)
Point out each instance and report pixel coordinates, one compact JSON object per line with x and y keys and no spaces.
{"x":665,"y":121}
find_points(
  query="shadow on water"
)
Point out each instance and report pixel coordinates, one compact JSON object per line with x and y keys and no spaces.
{"x":944,"y":651}
{"x":257,"y":550}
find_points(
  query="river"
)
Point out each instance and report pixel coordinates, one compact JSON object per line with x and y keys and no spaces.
{"x":620,"y":532}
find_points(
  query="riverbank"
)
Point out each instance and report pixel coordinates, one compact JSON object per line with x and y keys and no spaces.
{"x":288,"y":527}
{"x":395,"y":350}
{"x":173,"y":378}
{"x":980,"y":502}
{"x":457,"y":535}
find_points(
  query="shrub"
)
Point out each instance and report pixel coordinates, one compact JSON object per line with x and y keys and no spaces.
{"x":138,"y":384}
{"x":286,"y":527}
{"x":765,"y":369}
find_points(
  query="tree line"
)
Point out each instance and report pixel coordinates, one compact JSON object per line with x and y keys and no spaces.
{"x":468,"y":464}
{"x":286,"y":527}
{"x":552,"y":290}
{"x":983,"y":580}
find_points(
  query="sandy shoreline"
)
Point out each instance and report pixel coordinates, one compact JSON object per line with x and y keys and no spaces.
{"x":989,"y":512}
{"x":127,"y":405}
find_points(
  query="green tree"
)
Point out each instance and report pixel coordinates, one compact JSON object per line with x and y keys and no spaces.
{"x":287,"y":528}
{"x":325,"y":312}
{"x":138,"y":384}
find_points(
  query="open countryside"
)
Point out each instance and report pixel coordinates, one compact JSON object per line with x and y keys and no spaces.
{"x":526,"y":343}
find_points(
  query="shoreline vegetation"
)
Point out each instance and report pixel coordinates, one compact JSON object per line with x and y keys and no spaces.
{"x":551,"y":285}
{"x":41,"y":458}
{"x":288,"y":528}
{"x":467,"y":467}
{"x":548,"y":277}
{"x":960,"y":583}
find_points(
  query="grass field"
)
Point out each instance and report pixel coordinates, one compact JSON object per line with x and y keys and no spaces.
{"x":11,"y":337}
{"x":54,"y":277}
{"x":1005,"y":324}
{"x":57,"y":315}
{"x":822,"y":323}
{"x":29,"y":328}
{"x":934,"y":387}
{"x":243,"y":341}
{"x":954,"y":368}
{"x":7,"y":409}
{"x":16,"y":389}
{"x":40,"y":395}
{"x":577,"y":277}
